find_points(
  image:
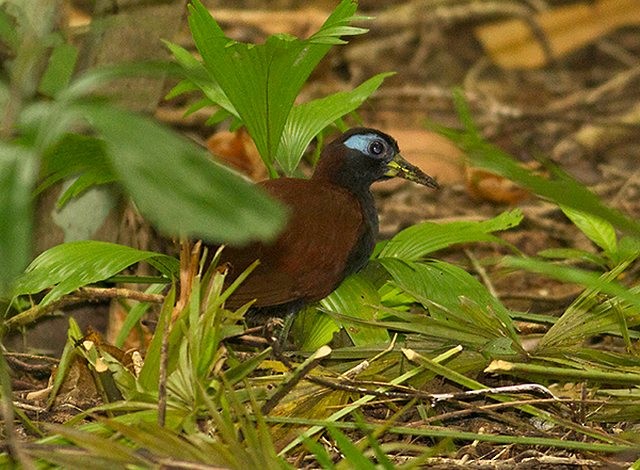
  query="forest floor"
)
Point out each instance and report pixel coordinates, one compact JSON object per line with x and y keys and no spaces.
{"x":578,"y":110}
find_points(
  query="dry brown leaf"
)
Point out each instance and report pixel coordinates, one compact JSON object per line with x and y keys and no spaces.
{"x":488,"y":186}
{"x":512,"y":44}
{"x":238,"y":150}
{"x":482,"y":184}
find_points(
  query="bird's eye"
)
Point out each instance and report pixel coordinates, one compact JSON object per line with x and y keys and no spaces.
{"x":376,"y":147}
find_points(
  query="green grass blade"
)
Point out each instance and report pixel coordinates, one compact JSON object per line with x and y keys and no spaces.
{"x":562,"y":373}
{"x":442,"y":432}
{"x":353,"y":456}
{"x":320,"y":453}
{"x":135,"y":314}
{"x":582,"y":319}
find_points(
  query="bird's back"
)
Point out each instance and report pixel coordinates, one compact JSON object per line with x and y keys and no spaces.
{"x":314,"y":252}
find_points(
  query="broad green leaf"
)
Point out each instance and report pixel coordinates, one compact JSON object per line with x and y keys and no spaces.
{"x":17,"y":178}
{"x":177,"y":186}
{"x":420,"y":240}
{"x":262,"y":81}
{"x":357,"y":298}
{"x":441,"y":331}
{"x":453,"y":295}
{"x":198,"y":78}
{"x":66,"y":267}
{"x":307,"y":120}
{"x":597,"y":229}
{"x":629,"y":248}
{"x":312,"y":329}
{"x":337,"y":24}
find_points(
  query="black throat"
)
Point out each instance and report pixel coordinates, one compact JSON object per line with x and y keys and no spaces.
{"x":360,"y":253}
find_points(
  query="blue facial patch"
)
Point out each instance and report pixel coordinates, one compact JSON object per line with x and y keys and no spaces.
{"x":360,"y":142}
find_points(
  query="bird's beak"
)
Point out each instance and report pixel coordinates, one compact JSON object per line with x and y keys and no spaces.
{"x":403,"y":169}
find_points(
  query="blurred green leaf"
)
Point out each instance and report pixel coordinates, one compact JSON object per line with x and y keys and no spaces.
{"x":628,"y":248}
{"x":66,"y":267}
{"x":57,"y":76}
{"x":176,"y":185}
{"x":321,"y":455}
{"x":8,"y":33}
{"x":308,"y":119}
{"x":17,"y":178}
{"x":417,"y":241}
{"x":4,"y":95}
{"x":573,"y":254}
{"x":78,"y":156}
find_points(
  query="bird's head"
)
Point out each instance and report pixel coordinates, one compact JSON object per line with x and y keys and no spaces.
{"x":361,"y":156}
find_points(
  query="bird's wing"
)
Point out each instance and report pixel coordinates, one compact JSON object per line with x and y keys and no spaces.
{"x":308,"y":259}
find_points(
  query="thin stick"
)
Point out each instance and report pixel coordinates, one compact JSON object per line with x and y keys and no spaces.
{"x":84,"y":294}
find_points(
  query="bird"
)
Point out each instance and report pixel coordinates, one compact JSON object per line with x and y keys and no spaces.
{"x":331,"y":230}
